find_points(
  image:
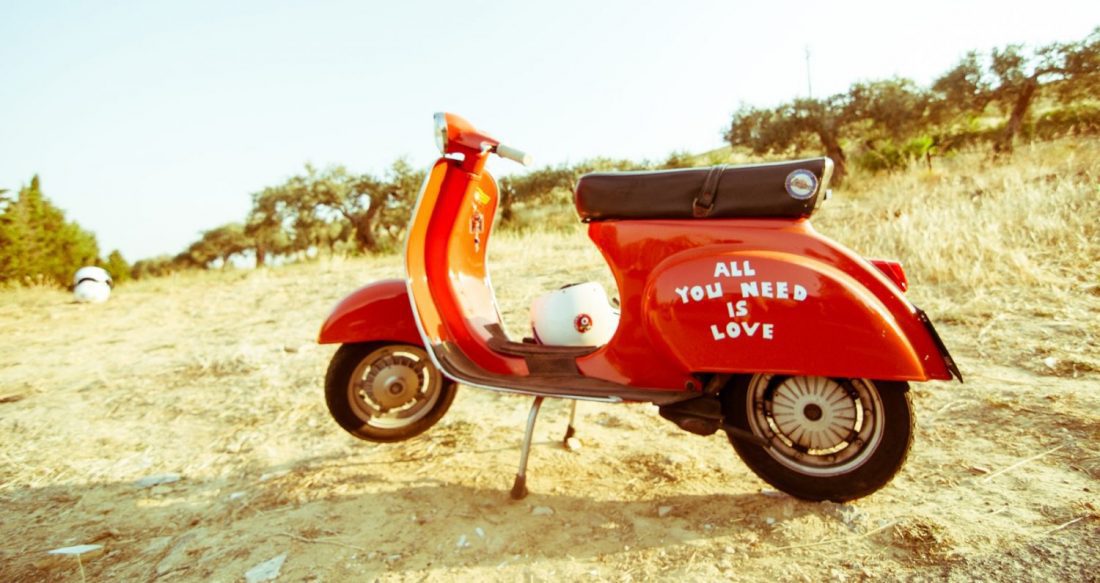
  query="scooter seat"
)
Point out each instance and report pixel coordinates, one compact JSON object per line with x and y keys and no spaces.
{"x":783,"y":189}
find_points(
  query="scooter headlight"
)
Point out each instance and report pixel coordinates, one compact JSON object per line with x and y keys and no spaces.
{"x":441,"y":132}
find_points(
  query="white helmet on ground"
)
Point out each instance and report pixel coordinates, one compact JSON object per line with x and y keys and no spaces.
{"x":575,"y":315}
{"x":92,"y":284}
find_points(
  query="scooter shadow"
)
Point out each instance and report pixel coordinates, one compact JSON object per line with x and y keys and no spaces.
{"x":459,"y":525}
{"x":372,"y":522}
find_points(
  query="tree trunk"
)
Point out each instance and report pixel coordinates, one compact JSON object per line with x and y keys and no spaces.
{"x":261,"y":255}
{"x":833,"y":150}
{"x":1019,"y":112}
{"x":364,"y":230}
{"x":506,"y":198}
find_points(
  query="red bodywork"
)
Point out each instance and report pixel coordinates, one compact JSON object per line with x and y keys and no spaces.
{"x":753,"y":295}
{"x":698,"y":296}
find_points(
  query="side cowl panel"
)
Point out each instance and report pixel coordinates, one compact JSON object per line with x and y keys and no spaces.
{"x":737,"y":310}
{"x":378,"y":311}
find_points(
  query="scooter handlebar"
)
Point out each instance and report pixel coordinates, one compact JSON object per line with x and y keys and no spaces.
{"x":514,"y":154}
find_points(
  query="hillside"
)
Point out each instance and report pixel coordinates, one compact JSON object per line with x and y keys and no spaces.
{"x":215,"y":377}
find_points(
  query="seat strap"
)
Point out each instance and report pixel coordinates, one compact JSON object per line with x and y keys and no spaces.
{"x":704,"y":203}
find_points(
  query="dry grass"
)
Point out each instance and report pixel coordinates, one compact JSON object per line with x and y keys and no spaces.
{"x":215,"y":377}
{"x":1010,"y":247}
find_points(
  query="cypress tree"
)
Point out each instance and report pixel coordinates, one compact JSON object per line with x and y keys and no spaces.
{"x":37,"y":243}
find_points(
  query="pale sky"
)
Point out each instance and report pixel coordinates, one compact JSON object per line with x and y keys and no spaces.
{"x":149,"y":122}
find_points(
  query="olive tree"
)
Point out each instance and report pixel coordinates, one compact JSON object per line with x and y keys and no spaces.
{"x":795,"y":125}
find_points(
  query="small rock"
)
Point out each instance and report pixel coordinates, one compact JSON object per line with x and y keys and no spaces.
{"x":75,"y":550}
{"x":1050,"y":362}
{"x":393,"y":558}
{"x":850,"y":515}
{"x":480,"y":532}
{"x":542,"y":511}
{"x":572,"y":444}
{"x":663,"y":511}
{"x":265,"y":571}
{"x":769,"y":520}
{"x":236,"y":495}
{"x":773,"y":493}
{"x":157,"y":544}
{"x":150,"y":481}
{"x":462,"y":542}
{"x":290,"y":349}
{"x":677,"y":459}
{"x":272,"y":475}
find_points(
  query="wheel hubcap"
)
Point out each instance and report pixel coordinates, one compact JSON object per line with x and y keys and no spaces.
{"x":816,"y":425}
{"x":394,"y":386}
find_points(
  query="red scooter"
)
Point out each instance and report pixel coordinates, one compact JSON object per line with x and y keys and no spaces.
{"x":735,"y":316}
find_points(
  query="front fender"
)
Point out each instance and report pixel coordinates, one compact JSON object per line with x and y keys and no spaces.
{"x":378,"y":311}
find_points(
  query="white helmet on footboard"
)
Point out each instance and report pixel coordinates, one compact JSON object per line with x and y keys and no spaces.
{"x":575,"y":315}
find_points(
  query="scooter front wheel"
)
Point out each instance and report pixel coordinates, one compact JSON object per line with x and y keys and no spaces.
{"x":829,"y":438}
{"x":386,"y":392}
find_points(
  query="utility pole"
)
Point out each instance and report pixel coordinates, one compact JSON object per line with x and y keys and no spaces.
{"x":809,"y":85}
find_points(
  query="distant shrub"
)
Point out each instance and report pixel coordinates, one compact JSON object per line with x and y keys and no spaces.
{"x":1078,"y":119}
{"x":888,"y":156}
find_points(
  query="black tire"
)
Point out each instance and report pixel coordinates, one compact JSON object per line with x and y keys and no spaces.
{"x":386,"y":392}
{"x":802,"y":416}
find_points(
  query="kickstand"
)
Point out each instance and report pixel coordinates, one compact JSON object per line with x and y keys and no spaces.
{"x":570,"y":431}
{"x":519,"y":487}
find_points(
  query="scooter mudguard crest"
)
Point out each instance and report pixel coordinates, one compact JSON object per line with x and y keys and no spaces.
{"x":379,"y":311}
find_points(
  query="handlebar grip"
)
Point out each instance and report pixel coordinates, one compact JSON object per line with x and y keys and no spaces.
{"x":514,"y":154}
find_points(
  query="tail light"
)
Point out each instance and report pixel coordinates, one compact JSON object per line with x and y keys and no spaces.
{"x":892,"y":270}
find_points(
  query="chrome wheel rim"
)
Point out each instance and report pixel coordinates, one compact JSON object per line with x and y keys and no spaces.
{"x":394,"y":386}
{"x":816,"y":425}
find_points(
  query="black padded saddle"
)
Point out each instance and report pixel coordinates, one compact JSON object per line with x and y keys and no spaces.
{"x":782,"y":189}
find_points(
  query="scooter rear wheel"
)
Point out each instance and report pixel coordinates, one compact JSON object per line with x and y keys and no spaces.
{"x":386,"y":392}
{"x":830,"y":438}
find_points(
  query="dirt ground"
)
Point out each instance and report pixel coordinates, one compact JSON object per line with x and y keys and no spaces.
{"x":215,"y":378}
